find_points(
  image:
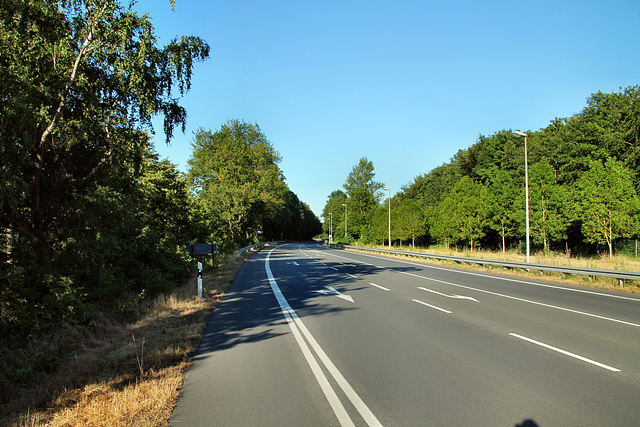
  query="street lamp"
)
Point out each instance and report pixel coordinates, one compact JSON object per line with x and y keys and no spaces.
{"x":526,"y":184}
{"x":345,"y":223}
{"x":388,"y":189}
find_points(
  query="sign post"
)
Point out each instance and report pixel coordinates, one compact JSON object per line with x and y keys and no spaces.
{"x":199,"y":279}
{"x":201,"y":249}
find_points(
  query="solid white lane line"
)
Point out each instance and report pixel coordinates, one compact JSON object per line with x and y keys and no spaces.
{"x":559,"y":350}
{"x":362,"y":408}
{"x":290,"y":315}
{"x":431,"y":306}
{"x":380,"y":287}
{"x":339,"y":410}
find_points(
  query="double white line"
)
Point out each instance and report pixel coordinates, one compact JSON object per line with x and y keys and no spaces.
{"x":299,"y":330}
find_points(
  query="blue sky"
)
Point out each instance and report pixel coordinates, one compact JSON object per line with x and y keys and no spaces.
{"x":405,"y":83}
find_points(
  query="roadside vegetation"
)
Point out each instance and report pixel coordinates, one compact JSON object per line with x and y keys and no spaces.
{"x":93,"y":224}
{"x":583,"y":180}
{"x":124,"y":374}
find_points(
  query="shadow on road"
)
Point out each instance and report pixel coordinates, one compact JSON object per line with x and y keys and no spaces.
{"x":250,"y":312}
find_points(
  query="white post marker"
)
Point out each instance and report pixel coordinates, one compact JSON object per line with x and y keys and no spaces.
{"x":199,"y":279}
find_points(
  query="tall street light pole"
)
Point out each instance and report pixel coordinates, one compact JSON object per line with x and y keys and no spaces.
{"x":345,"y":223}
{"x":526,"y":185}
{"x":388,"y":189}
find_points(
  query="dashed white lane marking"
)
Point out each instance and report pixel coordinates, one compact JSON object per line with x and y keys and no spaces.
{"x":431,"y":306}
{"x":380,"y":287}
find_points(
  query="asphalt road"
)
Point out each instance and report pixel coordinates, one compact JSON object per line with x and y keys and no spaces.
{"x":316,"y":336}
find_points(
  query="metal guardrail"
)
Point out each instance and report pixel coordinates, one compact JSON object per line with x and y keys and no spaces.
{"x":620,"y":275}
{"x":256,"y":246}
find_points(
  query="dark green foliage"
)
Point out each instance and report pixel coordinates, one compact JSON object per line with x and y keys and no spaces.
{"x":362,"y":195}
{"x":560,"y":157}
{"x":235,"y":176}
{"x":90,"y":220}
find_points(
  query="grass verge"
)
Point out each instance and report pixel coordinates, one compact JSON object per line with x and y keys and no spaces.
{"x":126,"y":374}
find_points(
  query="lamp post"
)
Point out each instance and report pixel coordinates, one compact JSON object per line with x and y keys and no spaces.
{"x":345,"y":223}
{"x":526,"y":185}
{"x":389,"y":190}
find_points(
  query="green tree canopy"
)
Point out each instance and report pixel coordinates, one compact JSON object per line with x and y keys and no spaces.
{"x":234,"y":171}
{"x":333,"y":213}
{"x":610,"y":207}
{"x":463,"y":214}
{"x":505,"y":206}
{"x":80,"y":82}
{"x":410,"y":221}
{"x":549,"y":205}
{"x":363,"y":193}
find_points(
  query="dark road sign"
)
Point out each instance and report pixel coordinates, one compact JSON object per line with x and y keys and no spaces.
{"x":202,"y":249}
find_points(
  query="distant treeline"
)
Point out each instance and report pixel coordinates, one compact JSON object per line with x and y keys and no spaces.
{"x":583,"y":188}
{"x":91,"y":220}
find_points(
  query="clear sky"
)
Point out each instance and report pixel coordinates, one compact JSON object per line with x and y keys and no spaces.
{"x":405,"y":83}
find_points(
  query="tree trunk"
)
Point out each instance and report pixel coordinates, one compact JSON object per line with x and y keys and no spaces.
{"x":38,"y":227}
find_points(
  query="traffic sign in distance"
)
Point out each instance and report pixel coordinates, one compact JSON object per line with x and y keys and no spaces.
{"x":202,"y":249}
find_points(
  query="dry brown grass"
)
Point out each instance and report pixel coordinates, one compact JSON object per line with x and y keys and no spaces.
{"x":127,"y":375}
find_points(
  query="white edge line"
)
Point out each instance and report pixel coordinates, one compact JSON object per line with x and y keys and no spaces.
{"x":559,"y":350}
{"x":431,"y":306}
{"x":362,"y":408}
{"x":330,"y":394}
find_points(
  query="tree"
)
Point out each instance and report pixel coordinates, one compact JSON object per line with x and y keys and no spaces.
{"x":380,"y":224}
{"x":548,"y":205}
{"x":80,"y":82}
{"x":333,"y":212}
{"x":363,"y":194}
{"x":610,"y":205}
{"x":235,"y":173}
{"x":410,"y":221}
{"x":463,"y":213}
{"x":78,"y":77}
{"x":294,"y":221}
{"x":505,"y":206}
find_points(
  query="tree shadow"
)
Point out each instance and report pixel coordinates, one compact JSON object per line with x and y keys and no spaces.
{"x":250,"y":313}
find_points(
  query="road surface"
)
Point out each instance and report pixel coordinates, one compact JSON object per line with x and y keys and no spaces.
{"x":313,"y":336}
